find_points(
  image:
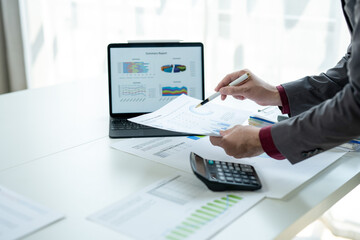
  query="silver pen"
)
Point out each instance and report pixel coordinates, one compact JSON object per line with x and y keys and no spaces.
{"x":233,"y":83}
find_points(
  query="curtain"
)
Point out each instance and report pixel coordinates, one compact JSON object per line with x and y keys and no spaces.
{"x":12,"y":63}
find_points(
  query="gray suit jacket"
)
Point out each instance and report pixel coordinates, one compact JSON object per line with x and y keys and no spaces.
{"x":324,"y":109}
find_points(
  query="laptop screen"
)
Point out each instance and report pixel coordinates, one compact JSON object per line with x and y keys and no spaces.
{"x":145,"y":76}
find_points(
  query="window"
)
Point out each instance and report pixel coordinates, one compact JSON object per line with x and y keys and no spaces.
{"x":279,"y":40}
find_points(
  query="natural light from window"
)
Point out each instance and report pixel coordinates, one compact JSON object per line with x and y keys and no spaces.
{"x":279,"y":40}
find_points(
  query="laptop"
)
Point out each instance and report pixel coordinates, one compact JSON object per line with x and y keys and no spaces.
{"x":146,"y":76}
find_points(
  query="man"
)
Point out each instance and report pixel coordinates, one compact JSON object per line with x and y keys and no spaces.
{"x":324,"y":110}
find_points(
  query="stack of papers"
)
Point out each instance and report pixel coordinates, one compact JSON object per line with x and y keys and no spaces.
{"x":259,"y":121}
{"x":272,"y":115}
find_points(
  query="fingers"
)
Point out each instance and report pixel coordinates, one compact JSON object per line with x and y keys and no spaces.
{"x":216,"y":141}
{"x":226,"y":132}
{"x":225,"y":90}
{"x":223,"y":97}
{"x":229,"y":78}
{"x":239,"y":141}
{"x":240,"y":97}
{"x":238,"y":92}
{"x":224,"y":82}
{"x":230,"y":91}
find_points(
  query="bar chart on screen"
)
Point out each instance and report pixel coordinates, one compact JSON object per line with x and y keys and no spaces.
{"x":135,"y":67}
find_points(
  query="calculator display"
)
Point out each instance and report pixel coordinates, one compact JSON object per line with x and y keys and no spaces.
{"x":200,"y":166}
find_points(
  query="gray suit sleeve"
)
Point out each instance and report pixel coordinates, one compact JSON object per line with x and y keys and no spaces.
{"x":330,"y":111}
{"x":313,"y":90}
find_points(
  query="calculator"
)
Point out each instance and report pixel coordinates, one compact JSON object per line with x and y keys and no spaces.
{"x":222,"y":176}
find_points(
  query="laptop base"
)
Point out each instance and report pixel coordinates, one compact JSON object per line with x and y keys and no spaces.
{"x":146,"y":132}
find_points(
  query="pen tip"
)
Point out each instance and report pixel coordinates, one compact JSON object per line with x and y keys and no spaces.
{"x":198,"y":105}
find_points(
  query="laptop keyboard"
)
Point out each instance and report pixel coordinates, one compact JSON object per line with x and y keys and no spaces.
{"x":121,"y":124}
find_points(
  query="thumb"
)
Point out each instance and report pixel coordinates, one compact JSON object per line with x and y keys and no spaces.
{"x":225,"y":132}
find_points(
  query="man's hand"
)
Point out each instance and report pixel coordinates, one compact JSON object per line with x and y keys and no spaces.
{"x":239,"y":141}
{"x":254,"y":89}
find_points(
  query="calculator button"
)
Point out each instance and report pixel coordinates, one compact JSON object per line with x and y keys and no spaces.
{"x":211,"y":162}
{"x":220,"y":173}
{"x":229,"y":179}
{"x":247,"y":169}
{"x":226,"y":170}
{"x":219,"y":169}
{"x":246,"y":181}
{"x":255,"y":182}
{"x":237,"y":175}
{"x":222,"y":178}
{"x":228,"y":174}
{"x":238,"y":180}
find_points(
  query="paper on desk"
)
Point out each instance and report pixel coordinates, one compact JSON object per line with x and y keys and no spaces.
{"x":278,"y":177}
{"x":20,"y":216}
{"x":179,"y":207}
{"x":171,"y":151}
{"x":181,"y":115}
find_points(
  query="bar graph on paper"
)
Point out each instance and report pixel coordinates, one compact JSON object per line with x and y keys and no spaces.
{"x":175,"y":208}
{"x":182,"y":191}
{"x":202,"y":216}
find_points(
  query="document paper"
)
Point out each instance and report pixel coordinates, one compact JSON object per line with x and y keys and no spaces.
{"x":20,"y":216}
{"x":181,"y":115}
{"x":278,"y":178}
{"x":171,"y":151}
{"x":179,"y":207}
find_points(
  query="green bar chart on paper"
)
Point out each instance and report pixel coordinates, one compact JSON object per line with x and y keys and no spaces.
{"x":175,"y":208}
{"x":202,"y":216}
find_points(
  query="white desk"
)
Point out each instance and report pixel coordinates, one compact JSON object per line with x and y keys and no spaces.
{"x":40,"y":122}
{"x":55,"y":150}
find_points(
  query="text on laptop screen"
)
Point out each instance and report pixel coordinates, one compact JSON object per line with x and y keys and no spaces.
{"x":143,"y":79}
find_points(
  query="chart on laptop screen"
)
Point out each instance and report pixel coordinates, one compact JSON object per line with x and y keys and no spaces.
{"x":144,"y":79}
